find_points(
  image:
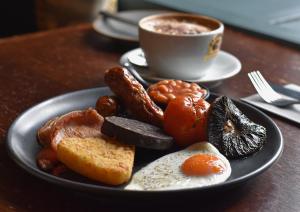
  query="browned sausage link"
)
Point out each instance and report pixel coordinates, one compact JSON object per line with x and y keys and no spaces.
{"x":133,"y":95}
{"x":107,"y":106}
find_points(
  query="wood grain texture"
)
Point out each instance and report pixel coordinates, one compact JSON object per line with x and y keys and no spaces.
{"x":38,"y":66}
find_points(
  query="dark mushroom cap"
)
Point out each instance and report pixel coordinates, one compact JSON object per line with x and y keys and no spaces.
{"x":234,"y":134}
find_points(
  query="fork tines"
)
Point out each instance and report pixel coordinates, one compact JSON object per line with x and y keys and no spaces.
{"x":262,"y":86}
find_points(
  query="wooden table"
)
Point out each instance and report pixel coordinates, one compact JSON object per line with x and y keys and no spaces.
{"x":38,"y":66}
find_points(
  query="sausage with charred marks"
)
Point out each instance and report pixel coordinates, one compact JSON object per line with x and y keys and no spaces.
{"x":133,"y":96}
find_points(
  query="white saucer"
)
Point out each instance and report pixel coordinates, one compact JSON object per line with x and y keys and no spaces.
{"x":225,"y":66}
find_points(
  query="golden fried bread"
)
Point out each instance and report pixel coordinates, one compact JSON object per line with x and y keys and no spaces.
{"x":101,"y":159}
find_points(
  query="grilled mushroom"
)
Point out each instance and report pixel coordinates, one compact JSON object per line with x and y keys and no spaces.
{"x":235,"y":135}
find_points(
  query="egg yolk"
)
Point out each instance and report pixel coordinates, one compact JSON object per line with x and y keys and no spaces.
{"x":202,"y":164}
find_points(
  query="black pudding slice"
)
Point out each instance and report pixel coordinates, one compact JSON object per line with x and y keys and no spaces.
{"x":135,"y":132}
{"x":234,"y":134}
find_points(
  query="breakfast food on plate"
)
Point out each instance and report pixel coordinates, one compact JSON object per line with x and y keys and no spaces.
{"x":135,"y":132}
{"x":103,"y":149}
{"x":185,"y":119}
{"x":102,"y":159}
{"x":201,"y":164}
{"x":47,"y":159}
{"x":232,"y":132}
{"x":86,"y":123}
{"x":164,"y":91}
{"x":75,"y":140}
{"x":107,"y":106}
{"x":133,"y":96}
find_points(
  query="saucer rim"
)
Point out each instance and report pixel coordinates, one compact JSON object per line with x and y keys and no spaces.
{"x":235,"y":71}
{"x":99,"y":21}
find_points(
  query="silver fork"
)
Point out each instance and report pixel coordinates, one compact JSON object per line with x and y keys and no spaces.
{"x":267,"y":93}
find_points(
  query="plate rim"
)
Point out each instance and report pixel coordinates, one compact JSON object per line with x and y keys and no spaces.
{"x":79,"y":186}
{"x":234,"y":72}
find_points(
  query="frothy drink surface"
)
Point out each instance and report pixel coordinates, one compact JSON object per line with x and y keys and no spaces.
{"x":176,"y":27}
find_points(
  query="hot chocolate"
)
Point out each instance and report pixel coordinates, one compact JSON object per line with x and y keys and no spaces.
{"x":179,"y":45}
{"x":173,"y":26}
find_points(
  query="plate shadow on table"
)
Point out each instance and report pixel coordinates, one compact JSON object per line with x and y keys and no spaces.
{"x":210,"y":200}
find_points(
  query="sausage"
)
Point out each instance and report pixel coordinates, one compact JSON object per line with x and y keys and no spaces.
{"x":133,"y":96}
{"x":107,"y":106}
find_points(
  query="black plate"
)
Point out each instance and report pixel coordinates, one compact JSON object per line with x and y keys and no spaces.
{"x":22,"y":147}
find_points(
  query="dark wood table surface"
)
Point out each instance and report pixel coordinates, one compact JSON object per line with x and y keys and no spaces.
{"x":39,"y":66}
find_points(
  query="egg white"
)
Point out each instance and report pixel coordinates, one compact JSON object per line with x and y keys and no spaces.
{"x":165,"y":173}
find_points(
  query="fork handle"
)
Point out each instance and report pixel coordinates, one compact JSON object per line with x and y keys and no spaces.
{"x":286,"y":91}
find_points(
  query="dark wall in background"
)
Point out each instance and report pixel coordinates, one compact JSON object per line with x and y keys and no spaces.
{"x":17,"y":17}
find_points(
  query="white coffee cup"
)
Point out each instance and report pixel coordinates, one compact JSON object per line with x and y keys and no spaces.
{"x":179,"y":45}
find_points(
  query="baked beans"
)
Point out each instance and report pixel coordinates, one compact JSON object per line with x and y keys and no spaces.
{"x":164,"y":91}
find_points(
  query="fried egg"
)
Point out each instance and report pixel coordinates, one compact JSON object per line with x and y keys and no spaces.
{"x":200,"y":164}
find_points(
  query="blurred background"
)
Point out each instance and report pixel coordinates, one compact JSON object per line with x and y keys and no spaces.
{"x":273,"y":18}
{"x":25,"y":16}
